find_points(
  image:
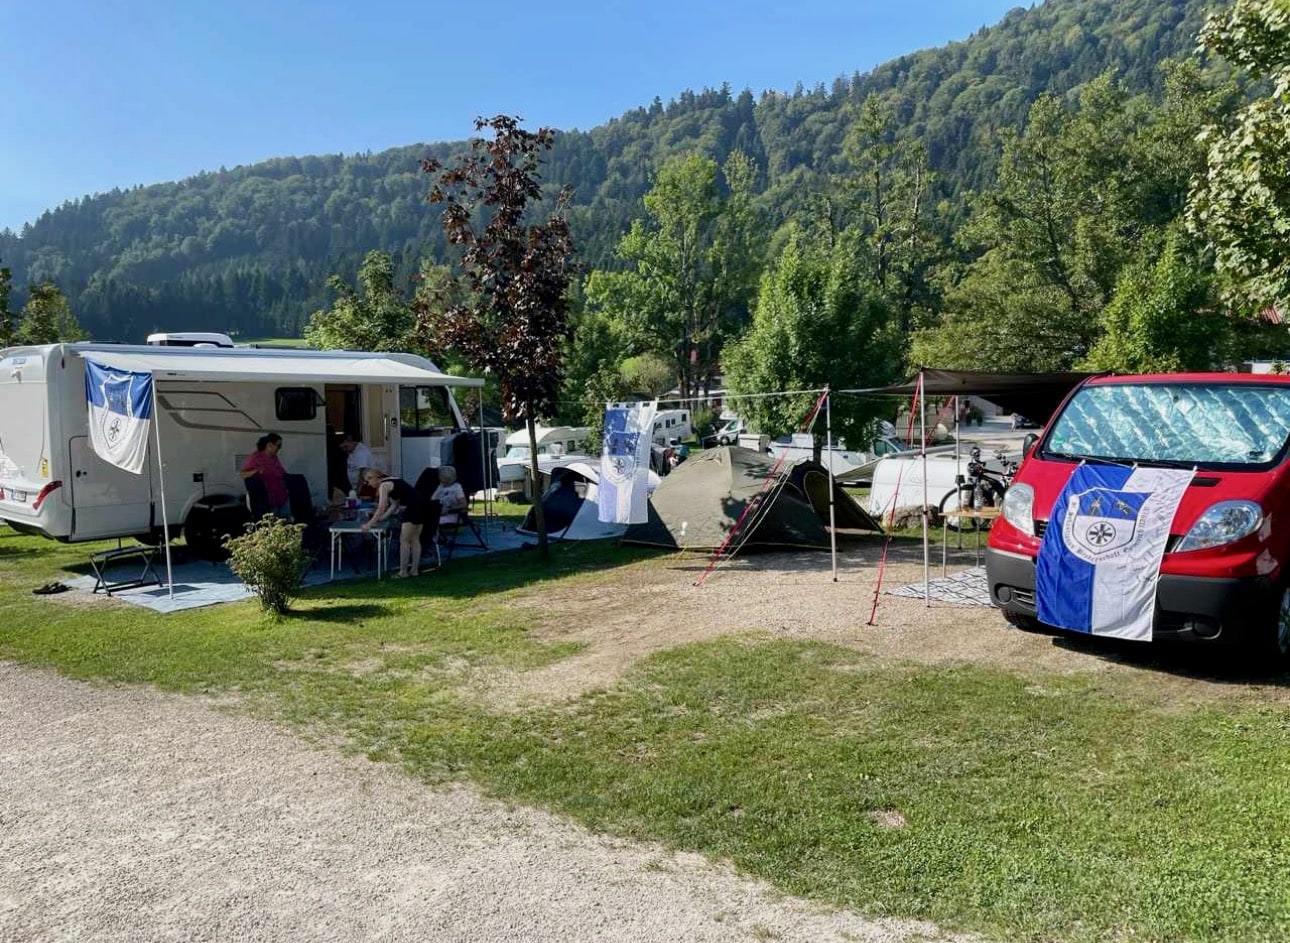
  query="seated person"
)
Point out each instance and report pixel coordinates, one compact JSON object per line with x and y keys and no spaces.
{"x":264,"y":464}
{"x":396,"y":496}
{"x":450,"y":495}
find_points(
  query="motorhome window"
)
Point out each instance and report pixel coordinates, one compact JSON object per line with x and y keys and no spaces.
{"x":423,"y":411}
{"x":1206,"y":425}
{"x":296,"y":403}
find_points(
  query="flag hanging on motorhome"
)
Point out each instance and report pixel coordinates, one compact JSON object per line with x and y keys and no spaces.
{"x":120,"y":403}
{"x":1099,"y":561}
{"x":623,"y":494}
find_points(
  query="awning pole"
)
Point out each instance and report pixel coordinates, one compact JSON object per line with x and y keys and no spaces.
{"x":922,"y":444}
{"x":161,"y":480}
{"x":828,"y":441}
{"x":483,"y":460}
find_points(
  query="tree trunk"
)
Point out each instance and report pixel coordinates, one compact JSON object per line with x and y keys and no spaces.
{"x":535,"y":484}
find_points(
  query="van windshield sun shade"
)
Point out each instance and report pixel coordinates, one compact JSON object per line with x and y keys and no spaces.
{"x":1203,"y":424}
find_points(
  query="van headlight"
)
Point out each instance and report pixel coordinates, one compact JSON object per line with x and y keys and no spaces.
{"x":1019,"y":507}
{"x":1221,"y":524}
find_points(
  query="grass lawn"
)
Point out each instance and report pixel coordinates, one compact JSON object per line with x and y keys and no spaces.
{"x":1022,"y":805}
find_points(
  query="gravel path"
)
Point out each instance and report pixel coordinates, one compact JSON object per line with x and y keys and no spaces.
{"x":126,"y":814}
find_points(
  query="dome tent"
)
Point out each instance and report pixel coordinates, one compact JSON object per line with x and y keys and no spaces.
{"x":698,"y":505}
{"x":569,"y":506}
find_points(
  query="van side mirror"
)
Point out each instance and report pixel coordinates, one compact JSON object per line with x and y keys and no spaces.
{"x":1028,"y":443}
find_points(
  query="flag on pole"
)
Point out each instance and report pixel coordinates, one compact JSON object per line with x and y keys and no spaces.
{"x":623,"y":493}
{"x":1099,"y":562}
{"x":120,"y":404}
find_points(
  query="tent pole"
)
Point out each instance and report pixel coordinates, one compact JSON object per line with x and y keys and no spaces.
{"x":922,"y":445}
{"x":161,"y":480}
{"x":828,"y":442}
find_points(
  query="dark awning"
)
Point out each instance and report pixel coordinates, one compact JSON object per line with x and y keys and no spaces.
{"x":1034,"y":395}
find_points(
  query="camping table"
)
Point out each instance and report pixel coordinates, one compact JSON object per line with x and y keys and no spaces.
{"x":980,"y":515}
{"x":143,"y":554}
{"x":339,"y":530}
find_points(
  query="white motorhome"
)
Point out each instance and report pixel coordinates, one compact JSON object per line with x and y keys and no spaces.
{"x":211,"y":404}
{"x":557,"y":446}
{"x":671,"y":425}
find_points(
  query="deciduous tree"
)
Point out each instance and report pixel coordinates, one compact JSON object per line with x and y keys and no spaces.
{"x":47,"y":318}
{"x":819,"y":322}
{"x":693,"y":267}
{"x":8,"y":333}
{"x":514,"y":323}
{"x":1242,"y":203}
{"x":374,"y":316}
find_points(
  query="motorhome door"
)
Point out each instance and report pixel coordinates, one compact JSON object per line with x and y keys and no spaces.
{"x":108,"y":501}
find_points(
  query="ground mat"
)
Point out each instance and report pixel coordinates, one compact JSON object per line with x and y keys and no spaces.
{"x":967,"y":588}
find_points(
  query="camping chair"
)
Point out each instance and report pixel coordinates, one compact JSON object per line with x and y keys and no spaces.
{"x":426,"y":484}
{"x":450,"y":531}
{"x":257,"y":497}
{"x":314,"y":538}
{"x":445,"y":532}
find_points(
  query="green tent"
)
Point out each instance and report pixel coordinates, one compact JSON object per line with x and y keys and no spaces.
{"x":701,"y":501}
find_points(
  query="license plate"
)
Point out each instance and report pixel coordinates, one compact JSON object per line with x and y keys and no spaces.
{"x":19,"y":495}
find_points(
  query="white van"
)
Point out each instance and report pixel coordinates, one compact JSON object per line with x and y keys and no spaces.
{"x":211,"y":405}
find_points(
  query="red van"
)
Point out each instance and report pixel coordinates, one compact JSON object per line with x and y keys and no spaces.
{"x":1223,"y":577}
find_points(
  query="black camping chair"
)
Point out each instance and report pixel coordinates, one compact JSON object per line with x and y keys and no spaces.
{"x":426,"y":484}
{"x":314,"y":538}
{"x":257,"y":497}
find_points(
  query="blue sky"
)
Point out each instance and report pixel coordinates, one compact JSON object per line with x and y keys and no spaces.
{"x":96,"y":94}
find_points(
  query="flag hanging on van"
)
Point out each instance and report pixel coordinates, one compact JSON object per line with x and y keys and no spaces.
{"x":623,"y":494}
{"x":1099,"y":561}
{"x":120,"y":404}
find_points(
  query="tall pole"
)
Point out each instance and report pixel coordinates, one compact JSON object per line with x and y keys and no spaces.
{"x":922,"y":447}
{"x":484,"y":443}
{"x":828,"y":442}
{"x":161,"y":480}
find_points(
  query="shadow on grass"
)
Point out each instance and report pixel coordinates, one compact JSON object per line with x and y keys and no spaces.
{"x":468,"y":577}
{"x":1228,"y":664}
{"x":352,"y":612}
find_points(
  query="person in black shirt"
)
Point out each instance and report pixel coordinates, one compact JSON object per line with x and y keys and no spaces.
{"x":396,"y":496}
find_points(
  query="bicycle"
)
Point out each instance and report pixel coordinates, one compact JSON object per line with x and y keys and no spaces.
{"x":980,"y":488}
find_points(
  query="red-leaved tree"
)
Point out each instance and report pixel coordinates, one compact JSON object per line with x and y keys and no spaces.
{"x":514,"y":322}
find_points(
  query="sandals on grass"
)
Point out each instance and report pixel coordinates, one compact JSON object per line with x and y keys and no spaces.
{"x":50,"y":589}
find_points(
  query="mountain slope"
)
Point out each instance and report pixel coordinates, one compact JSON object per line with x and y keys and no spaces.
{"x":250,"y":249}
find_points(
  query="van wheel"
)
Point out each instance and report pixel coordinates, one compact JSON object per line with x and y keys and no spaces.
{"x":1025,"y":623}
{"x":204,"y":536}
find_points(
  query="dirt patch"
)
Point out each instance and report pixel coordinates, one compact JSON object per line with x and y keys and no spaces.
{"x":627,"y":614}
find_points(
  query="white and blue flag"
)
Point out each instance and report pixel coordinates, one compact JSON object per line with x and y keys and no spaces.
{"x":623,"y":493}
{"x":1099,"y":561}
{"x":120,"y":404}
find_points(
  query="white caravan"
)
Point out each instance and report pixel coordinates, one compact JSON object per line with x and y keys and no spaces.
{"x":211,"y":405}
{"x":557,"y":446}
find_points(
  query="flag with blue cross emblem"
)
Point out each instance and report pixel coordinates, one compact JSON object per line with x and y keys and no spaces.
{"x":1099,"y":561}
{"x":120,"y":404}
{"x":622,"y":494}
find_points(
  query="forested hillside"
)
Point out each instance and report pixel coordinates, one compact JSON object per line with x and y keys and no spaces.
{"x":250,"y":249}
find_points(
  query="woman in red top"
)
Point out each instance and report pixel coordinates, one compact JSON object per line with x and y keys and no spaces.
{"x":264,"y":463}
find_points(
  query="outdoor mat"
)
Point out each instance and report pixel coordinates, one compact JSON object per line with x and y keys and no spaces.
{"x":967,"y":588}
{"x":201,"y":583}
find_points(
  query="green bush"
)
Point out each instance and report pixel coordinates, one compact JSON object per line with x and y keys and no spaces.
{"x":270,"y":560}
{"x":704,"y":422}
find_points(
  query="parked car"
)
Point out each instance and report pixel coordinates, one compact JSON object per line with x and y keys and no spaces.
{"x":1224,"y":569}
{"x":727,"y":434}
